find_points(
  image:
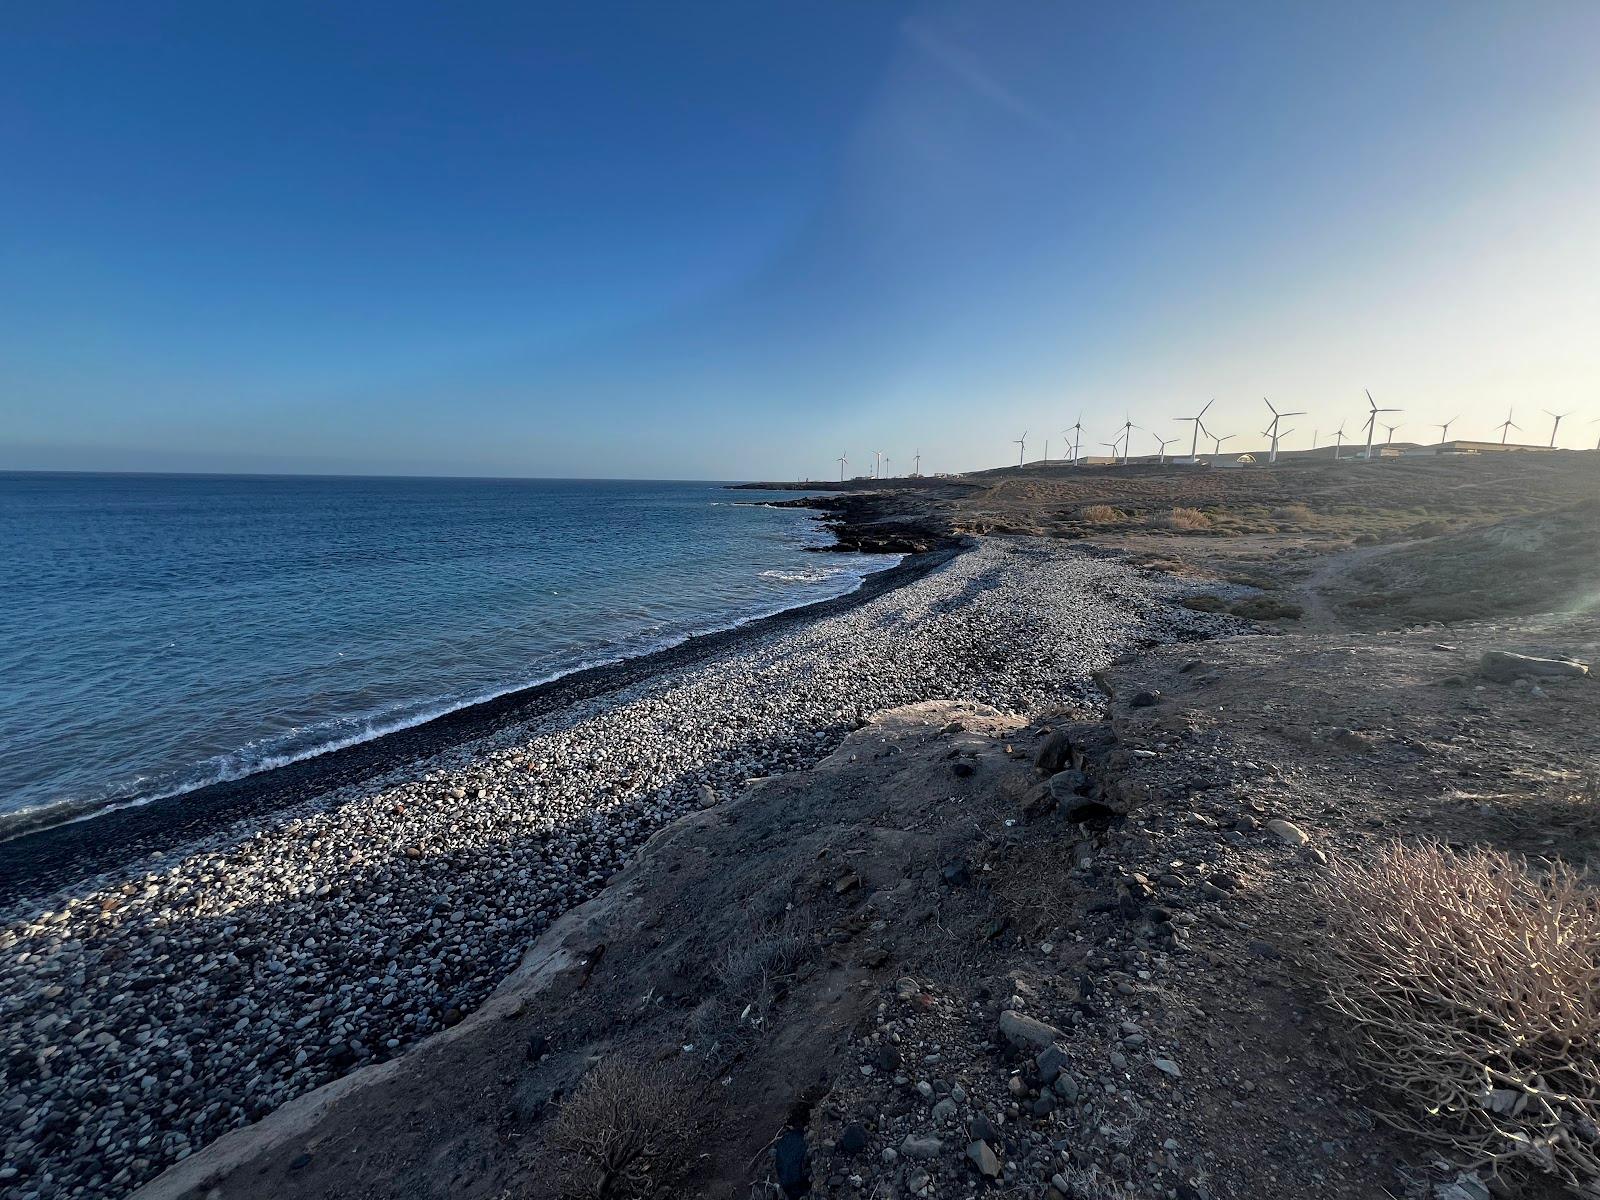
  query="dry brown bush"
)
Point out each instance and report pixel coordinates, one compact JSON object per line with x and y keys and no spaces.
{"x":1190,"y":519}
{"x":1101,"y":514}
{"x":1292,"y":514}
{"x":624,"y":1133}
{"x":1471,"y":988}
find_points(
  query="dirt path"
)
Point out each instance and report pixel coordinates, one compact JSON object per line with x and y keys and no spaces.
{"x":1319,"y":614}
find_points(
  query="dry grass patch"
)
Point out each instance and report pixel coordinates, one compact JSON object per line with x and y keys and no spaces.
{"x":623,"y":1135}
{"x":1470,"y":986}
{"x":1101,"y":514}
{"x":1292,"y":514}
{"x":1188,"y":520}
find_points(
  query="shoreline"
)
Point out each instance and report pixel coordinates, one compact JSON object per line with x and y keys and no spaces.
{"x":211,"y":985}
{"x":39,"y":861}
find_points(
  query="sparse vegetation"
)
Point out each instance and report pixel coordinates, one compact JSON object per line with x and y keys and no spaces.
{"x":753,"y":971}
{"x":1266,"y":608}
{"x":1470,"y":987}
{"x":1101,"y":514}
{"x":1187,"y":520}
{"x":1293,"y":514}
{"x":623,"y":1134}
{"x":750,"y":974}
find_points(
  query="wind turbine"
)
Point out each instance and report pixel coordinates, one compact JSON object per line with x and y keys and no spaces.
{"x":1390,"y":430}
{"x":1076,"y":429}
{"x":1372,"y":420}
{"x":1556,"y":426}
{"x":1161,"y":455}
{"x":916,"y":463}
{"x":842,"y":461}
{"x":1272,"y":429}
{"x":1338,"y":441}
{"x":1111,"y":446}
{"x":877,"y":469}
{"x":1022,"y":446}
{"x":1047,"y":452}
{"x":1444,"y":431}
{"x":1216,"y":442}
{"x":1194,"y":442}
{"x":1506,"y":425}
{"x":1127,"y":438}
{"x":886,"y":461}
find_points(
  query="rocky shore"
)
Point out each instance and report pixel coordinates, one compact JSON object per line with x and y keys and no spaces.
{"x":152,"y":1008}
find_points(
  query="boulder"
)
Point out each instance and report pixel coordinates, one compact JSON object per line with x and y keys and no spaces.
{"x":853,"y":1140}
{"x":1026,"y":1033}
{"x":923,"y":1147}
{"x":1288,"y":832}
{"x":1053,"y":753}
{"x":985,"y":1159}
{"x":1068,"y":784}
{"x":1050,"y":1061}
{"x":790,"y":1165}
{"x":1039,"y":802}
{"x":1504,"y":666}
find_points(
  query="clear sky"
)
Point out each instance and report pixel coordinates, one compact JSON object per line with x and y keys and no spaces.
{"x":736,"y":240}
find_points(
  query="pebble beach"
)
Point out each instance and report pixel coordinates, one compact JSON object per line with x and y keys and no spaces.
{"x":148,"y":1010}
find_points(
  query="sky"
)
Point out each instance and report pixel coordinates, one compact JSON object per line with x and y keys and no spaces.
{"x":727,"y":241}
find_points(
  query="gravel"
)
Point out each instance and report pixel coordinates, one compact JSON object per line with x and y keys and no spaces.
{"x":149,"y":1011}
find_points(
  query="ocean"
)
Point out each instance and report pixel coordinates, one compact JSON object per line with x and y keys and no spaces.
{"x":162,"y":632}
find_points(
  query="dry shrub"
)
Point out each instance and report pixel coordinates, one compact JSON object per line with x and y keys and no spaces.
{"x":623,"y":1134}
{"x":1100,"y":514}
{"x":1189,"y":519}
{"x":754,"y":969}
{"x":1292,"y":514}
{"x":1472,"y":990}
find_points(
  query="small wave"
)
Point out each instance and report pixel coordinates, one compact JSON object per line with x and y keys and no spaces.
{"x":811,"y":575}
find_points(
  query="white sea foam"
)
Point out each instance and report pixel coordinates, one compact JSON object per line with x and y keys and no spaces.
{"x":812,"y":575}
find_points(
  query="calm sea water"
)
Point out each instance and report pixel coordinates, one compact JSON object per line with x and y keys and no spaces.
{"x":158,"y":633}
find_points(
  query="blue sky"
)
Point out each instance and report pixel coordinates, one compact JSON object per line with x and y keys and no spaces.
{"x":725,"y":241}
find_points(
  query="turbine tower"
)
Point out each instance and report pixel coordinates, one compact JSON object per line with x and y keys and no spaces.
{"x":1272,"y":429}
{"x":1389,"y":429}
{"x":1444,"y":431}
{"x":1338,"y":441}
{"x":1194,"y":442}
{"x":877,"y":466}
{"x":1161,"y":454}
{"x":1022,"y":447}
{"x":1556,"y":426}
{"x":1046,"y":452}
{"x":1076,"y":429}
{"x":1372,"y":420}
{"x":1216,"y":442}
{"x":842,"y":461}
{"x":1127,"y":437}
{"x":1506,"y":425}
{"x":916,"y":463}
